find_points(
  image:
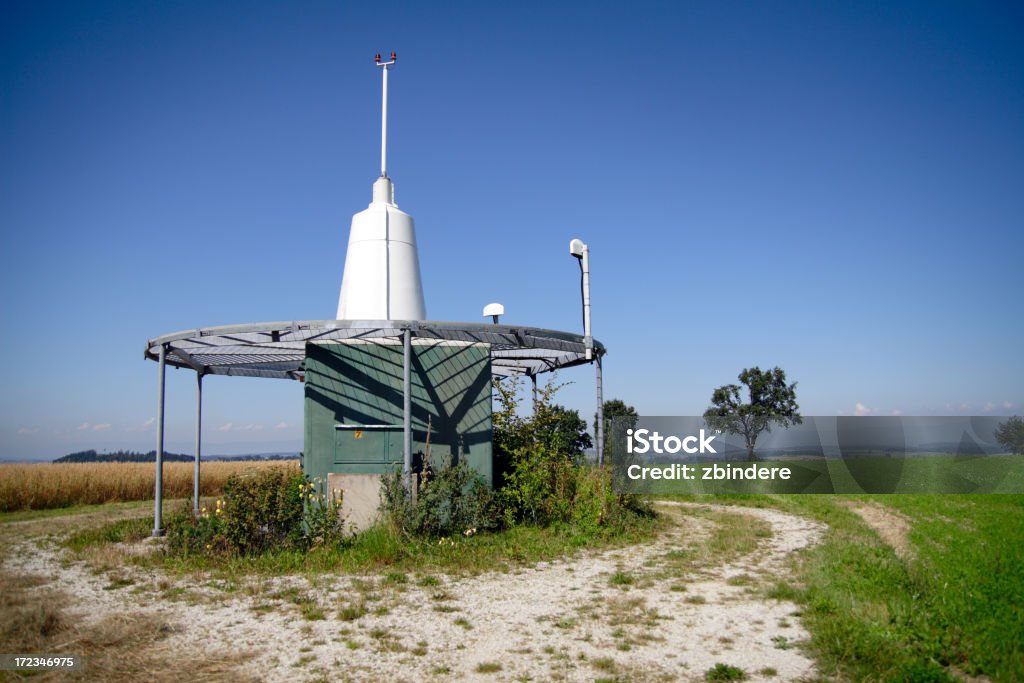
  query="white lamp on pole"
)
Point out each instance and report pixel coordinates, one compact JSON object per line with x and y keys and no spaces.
{"x":579,"y":249}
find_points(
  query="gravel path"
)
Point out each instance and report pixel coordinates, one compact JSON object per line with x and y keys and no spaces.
{"x":622,"y":614}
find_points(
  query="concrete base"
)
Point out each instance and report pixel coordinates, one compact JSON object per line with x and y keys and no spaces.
{"x":360,"y":499}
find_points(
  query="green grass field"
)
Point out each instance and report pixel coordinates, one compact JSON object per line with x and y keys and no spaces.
{"x":929,"y":473}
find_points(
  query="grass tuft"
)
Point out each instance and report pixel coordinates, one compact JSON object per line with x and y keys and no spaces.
{"x":725,"y":672}
{"x":621,"y":578}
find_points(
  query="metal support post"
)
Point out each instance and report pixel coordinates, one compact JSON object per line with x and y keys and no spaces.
{"x":158,"y":493}
{"x":407,"y":411}
{"x":199,"y":441}
{"x":533,"y":378}
{"x":600,"y":413}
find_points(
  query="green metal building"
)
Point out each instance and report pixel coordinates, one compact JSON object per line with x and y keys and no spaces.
{"x":354,"y":413}
{"x":354,"y":372}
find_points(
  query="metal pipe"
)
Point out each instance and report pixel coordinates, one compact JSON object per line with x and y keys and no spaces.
{"x":158,"y":493}
{"x":387,"y":260}
{"x":384,"y":126}
{"x":600,"y":412}
{"x":588,"y":340}
{"x":407,"y":410}
{"x":199,"y":441}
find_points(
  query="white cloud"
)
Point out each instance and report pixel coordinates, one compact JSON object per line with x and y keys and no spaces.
{"x":82,"y":427}
{"x":144,"y":427}
{"x":282,"y":425}
{"x":226,"y":427}
{"x":101,"y":427}
{"x":861,"y":409}
{"x":989,"y":407}
{"x":965,"y":406}
{"x":897,"y":412}
{"x":251,"y":428}
{"x":1007,"y":405}
{"x":28,"y":430}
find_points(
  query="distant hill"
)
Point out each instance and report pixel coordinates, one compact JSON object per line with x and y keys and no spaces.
{"x":131,"y":456}
{"x":121,"y":456}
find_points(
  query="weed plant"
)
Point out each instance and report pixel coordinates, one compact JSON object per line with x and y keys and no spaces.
{"x":450,"y":501}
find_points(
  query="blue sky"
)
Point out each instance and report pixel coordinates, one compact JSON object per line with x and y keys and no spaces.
{"x":833,"y":188}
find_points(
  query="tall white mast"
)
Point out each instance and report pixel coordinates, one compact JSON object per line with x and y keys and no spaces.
{"x":381,"y":280}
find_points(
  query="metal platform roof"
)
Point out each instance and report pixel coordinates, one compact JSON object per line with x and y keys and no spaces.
{"x":278,"y":349}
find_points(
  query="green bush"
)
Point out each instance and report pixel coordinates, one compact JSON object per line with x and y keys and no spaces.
{"x":261,"y":510}
{"x":542,"y":479}
{"x":540,"y":487}
{"x":450,"y":501}
{"x":190,"y":535}
{"x":538,"y":454}
{"x":545,"y":480}
{"x":264,"y":510}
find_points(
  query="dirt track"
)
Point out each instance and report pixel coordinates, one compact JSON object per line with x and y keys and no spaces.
{"x":562,"y":620}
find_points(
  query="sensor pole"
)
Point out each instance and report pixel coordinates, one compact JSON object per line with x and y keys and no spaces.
{"x":384,"y":114}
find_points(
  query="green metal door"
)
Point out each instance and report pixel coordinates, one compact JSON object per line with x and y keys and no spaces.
{"x":367,"y":444}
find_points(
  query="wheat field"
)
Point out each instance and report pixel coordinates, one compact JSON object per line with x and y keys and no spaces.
{"x":56,"y":485}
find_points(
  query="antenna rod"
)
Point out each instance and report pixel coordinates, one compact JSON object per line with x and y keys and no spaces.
{"x":384,"y":115}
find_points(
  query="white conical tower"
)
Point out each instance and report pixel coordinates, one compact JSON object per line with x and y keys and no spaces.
{"x":381,"y":280}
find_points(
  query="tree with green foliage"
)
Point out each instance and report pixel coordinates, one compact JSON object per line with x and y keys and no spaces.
{"x":564,"y":429}
{"x":1010,"y":435}
{"x":555,"y":427}
{"x":616,"y":408}
{"x":770,"y":402}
